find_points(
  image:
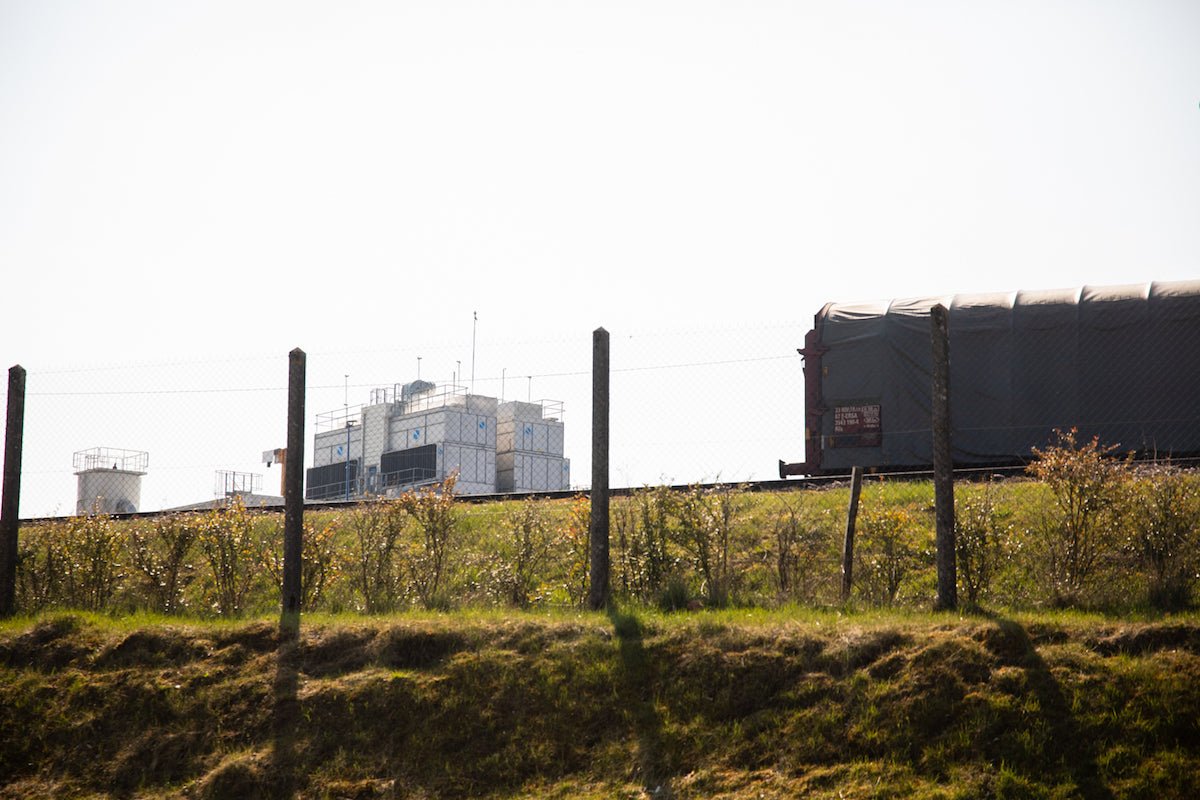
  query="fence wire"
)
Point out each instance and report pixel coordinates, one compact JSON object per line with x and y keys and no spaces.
{"x":687,"y":406}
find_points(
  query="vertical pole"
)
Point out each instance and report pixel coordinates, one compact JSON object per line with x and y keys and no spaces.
{"x":347,"y":470}
{"x":856,"y":474}
{"x":14,"y":434}
{"x":598,"y":585}
{"x":293,"y":497}
{"x":346,"y":410}
{"x":943,"y":465}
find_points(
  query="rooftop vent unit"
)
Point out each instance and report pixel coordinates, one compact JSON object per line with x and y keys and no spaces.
{"x":411,"y":390}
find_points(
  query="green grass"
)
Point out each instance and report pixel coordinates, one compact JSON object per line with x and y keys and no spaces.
{"x":735,"y":703}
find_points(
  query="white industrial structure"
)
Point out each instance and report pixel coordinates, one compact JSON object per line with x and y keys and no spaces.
{"x":110,"y":480}
{"x":419,"y":434}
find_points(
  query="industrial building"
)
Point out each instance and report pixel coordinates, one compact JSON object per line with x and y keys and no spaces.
{"x":419,"y":433}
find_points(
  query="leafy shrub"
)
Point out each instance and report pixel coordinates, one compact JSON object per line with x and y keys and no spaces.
{"x":161,"y":552}
{"x":376,"y":528}
{"x":705,"y":528}
{"x":888,"y":548}
{"x":319,"y":557}
{"x":432,"y":509}
{"x":645,"y":529}
{"x":91,"y":563}
{"x":227,"y":542}
{"x":517,"y":570}
{"x":981,"y":531}
{"x":1079,"y":534}
{"x":575,"y":544}
{"x":799,"y":547}
{"x":1165,"y":534}
{"x":41,"y":561}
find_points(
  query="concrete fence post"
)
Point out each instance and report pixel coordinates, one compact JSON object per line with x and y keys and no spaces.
{"x":598,"y":583}
{"x":293,"y":496}
{"x":943,"y":464}
{"x":10,"y":507}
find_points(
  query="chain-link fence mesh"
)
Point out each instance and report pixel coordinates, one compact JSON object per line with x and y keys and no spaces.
{"x":687,"y":406}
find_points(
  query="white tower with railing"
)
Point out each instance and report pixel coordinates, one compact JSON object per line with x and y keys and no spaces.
{"x":110,"y":480}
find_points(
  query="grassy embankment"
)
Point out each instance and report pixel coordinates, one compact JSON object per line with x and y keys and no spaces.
{"x":784,"y":703}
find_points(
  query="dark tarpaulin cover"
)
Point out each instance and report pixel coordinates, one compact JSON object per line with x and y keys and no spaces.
{"x":1119,"y":362}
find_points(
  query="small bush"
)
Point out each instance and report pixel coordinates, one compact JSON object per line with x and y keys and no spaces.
{"x":645,"y":526}
{"x":375,"y":530}
{"x":981,"y":531}
{"x":889,"y":547}
{"x":162,"y":552}
{"x":227,"y":542}
{"x":799,"y":548}
{"x":1165,"y":534}
{"x":1079,"y":534}
{"x":41,"y":562}
{"x":320,"y":558}
{"x":516,"y":571}
{"x":705,"y":528}
{"x":432,"y":510}
{"x":575,"y":545}
{"x":91,"y":564}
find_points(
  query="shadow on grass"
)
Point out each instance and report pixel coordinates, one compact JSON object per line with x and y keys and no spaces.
{"x":1076,"y":751}
{"x":285,"y":712}
{"x":638,"y":699}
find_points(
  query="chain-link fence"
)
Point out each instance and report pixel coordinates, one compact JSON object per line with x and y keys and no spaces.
{"x":687,"y":406}
{"x":730,"y":406}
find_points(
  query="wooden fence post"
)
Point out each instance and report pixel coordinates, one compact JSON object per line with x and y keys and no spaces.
{"x":293,"y":497}
{"x":10,"y":504}
{"x":943,"y":464}
{"x":856,"y":474}
{"x":598,"y":583}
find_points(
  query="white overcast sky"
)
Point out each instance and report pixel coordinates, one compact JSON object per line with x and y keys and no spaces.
{"x":191,"y":182}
